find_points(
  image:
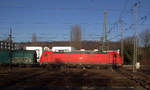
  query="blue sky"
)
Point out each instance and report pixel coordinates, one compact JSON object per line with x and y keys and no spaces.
{"x":53,"y":19}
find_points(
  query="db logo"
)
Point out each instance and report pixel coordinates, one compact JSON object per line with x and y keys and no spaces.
{"x":81,"y":58}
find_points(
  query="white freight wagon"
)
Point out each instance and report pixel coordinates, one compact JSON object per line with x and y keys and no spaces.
{"x":39,"y":51}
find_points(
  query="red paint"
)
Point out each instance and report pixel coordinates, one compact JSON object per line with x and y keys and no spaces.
{"x":50,"y":57}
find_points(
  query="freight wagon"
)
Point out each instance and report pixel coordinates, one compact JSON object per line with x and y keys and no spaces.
{"x":85,"y":59}
{"x":4,"y":57}
{"x":19,"y":57}
{"x":24,"y":57}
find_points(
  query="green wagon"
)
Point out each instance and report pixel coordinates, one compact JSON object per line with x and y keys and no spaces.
{"x":24,"y":57}
{"x":18,"y":57}
{"x":4,"y":57}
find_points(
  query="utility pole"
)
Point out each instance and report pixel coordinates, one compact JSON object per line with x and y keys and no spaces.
{"x":10,"y":47}
{"x":135,"y":43}
{"x":122,"y":42}
{"x":104,"y":36}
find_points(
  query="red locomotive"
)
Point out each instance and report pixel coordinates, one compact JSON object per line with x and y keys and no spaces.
{"x":78,"y":58}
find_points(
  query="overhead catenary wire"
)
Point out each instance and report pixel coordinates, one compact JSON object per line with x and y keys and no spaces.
{"x":80,"y":8}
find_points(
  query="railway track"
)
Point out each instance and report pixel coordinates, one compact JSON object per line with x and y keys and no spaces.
{"x":138,"y":77}
{"x":74,"y":77}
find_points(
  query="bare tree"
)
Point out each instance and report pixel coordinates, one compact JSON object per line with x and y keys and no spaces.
{"x":145,"y":43}
{"x":75,"y":36}
{"x":129,"y":40}
{"x":34,"y":38}
{"x":145,"y":38}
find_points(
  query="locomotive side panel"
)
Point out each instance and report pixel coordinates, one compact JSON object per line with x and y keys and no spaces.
{"x":108,"y":58}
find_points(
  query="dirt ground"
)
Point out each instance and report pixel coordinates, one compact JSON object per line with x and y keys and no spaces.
{"x":62,"y":79}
